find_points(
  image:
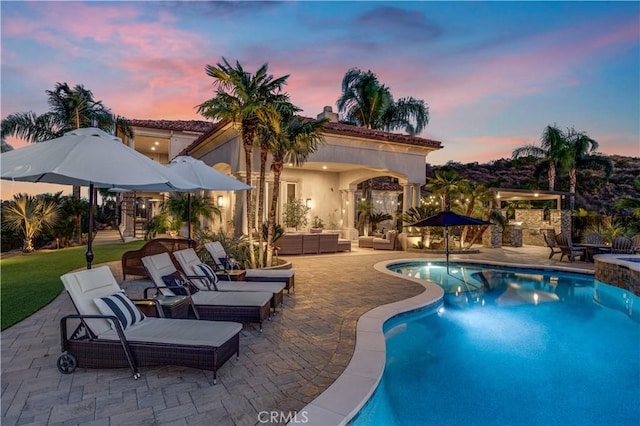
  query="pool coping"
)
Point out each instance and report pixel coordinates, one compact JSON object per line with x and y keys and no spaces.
{"x":341,"y":401}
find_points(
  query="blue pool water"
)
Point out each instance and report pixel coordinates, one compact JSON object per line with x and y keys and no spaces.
{"x":511,"y":347}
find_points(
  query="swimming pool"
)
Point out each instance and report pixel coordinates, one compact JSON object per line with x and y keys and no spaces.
{"x":511,"y":346}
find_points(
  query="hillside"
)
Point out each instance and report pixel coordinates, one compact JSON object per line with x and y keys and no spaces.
{"x":593,"y":192}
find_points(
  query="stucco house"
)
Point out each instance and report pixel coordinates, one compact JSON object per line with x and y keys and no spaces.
{"x":160,"y":140}
{"x":327,"y":182}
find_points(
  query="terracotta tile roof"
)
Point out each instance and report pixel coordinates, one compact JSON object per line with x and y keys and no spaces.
{"x":349,"y":130}
{"x":177,"y":125}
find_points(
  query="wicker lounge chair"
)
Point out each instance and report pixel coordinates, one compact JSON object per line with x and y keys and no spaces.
{"x":217,"y":252}
{"x":241,"y":306}
{"x":205,"y":278}
{"x":567,"y":248}
{"x":104,"y":341}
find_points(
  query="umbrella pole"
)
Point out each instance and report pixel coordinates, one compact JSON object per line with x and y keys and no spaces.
{"x":189,"y":220}
{"x":89,"y":253}
{"x":446,"y":246}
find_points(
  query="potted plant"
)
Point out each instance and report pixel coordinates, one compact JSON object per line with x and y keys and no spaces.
{"x":295,"y":214}
{"x":317,"y":225}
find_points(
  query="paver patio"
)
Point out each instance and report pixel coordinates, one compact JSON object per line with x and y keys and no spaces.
{"x":298,"y":355}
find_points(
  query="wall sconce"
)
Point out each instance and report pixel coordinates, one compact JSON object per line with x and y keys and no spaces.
{"x":220,"y":200}
{"x":308,"y":203}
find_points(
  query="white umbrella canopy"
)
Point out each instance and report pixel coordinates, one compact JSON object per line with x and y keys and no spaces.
{"x":205,"y":178}
{"x":89,"y":157}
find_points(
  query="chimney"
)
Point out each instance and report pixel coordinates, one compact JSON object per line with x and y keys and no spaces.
{"x":328,"y":113}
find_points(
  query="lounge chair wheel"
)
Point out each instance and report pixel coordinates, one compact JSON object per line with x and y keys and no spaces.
{"x":67,"y":363}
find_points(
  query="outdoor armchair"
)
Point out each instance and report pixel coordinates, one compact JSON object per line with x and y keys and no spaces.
{"x":567,"y":248}
{"x":111,"y":332}
{"x":594,"y":238}
{"x":387,"y":243}
{"x":241,"y":306}
{"x":551,"y":244}
{"x":622,"y":245}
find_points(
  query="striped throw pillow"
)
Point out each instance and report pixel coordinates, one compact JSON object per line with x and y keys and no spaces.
{"x":121,"y":307}
{"x":209,"y":273}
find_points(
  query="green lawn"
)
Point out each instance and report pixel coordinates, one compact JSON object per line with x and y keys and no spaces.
{"x":29,"y":282}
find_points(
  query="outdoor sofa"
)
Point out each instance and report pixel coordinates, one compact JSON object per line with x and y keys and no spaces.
{"x":110,"y":332}
{"x":311,"y":243}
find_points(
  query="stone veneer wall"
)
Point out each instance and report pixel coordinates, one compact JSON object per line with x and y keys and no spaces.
{"x":617,"y":275}
{"x":533,"y":226}
{"x":492,"y":237}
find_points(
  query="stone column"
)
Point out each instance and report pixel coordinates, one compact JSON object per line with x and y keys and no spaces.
{"x":416,"y":195}
{"x":406,"y":197}
{"x":347,"y":197}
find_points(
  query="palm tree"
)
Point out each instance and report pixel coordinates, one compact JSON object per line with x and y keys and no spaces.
{"x":477,"y":199}
{"x":247,"y":100}
{"x":581,"y":152}
{"x":29,"y":215}
{"x":264,"y":141}
{"x":295,"y":141}
{"x":178,"y":205}
{"x":415,"y":214}
{"x":367,"y":103}
{"x":446,"y":184}
{"x":69,"y":109}
{"x":551,"y":151}
{"x":4,"y":146}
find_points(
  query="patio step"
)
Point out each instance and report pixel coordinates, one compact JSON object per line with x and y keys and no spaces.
{"x":107,"y":236}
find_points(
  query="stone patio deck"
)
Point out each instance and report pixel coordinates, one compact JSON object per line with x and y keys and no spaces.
{"x":299,"y":354}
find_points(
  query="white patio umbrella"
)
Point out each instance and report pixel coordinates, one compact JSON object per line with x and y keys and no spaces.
{"x":89,"y":157}
{"x":203,"y":177}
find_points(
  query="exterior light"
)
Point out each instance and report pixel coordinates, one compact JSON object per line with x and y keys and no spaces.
{"x":324,"y":167}
{"x":308,"y":203}
{"x":220,"y":200}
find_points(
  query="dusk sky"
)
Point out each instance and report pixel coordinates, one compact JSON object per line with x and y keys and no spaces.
{"x":493,"y":74}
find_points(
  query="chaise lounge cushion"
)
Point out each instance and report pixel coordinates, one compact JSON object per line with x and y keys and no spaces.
{"x":121,"y":307}
{"x":179,"y":332}
{"x":235,"y":298}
